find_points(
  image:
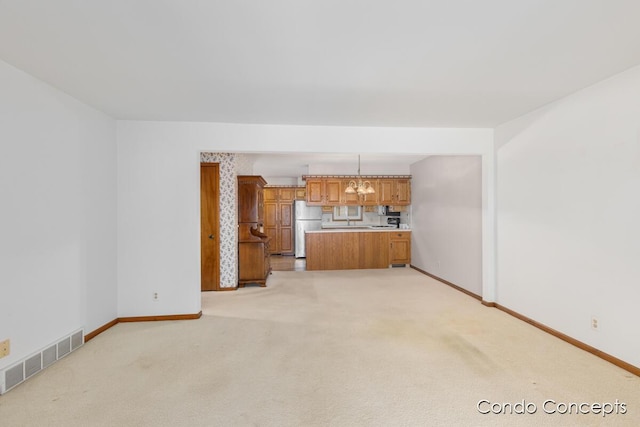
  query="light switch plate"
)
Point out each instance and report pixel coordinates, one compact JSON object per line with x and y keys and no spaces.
{"x":4,"y":348}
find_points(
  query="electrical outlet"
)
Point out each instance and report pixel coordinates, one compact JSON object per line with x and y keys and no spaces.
{"x":155,"y":296}
{"x":594,"y":323}
{"x":5,"y":348}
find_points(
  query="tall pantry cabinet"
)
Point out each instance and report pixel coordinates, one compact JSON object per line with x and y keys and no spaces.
{"x":278,"y":218}
{"x":254,"y":265}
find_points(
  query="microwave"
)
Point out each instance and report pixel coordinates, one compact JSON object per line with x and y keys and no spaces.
{"x":386,"y":211}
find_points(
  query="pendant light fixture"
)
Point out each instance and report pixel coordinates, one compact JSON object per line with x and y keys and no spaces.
{"x":360,"y":187}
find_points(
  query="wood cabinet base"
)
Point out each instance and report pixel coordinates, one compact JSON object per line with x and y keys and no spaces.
{"x":254,"y":263}
{"x":357,"y":250}
{"x":262,"y":283}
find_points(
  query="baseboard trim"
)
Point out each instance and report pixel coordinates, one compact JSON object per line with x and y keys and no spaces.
{"x":235,"y":288}
{"x":100,"y":330}
{"x":586,"y":347}
{"x":583,"y":346}
{"x":114,"y":322}
{"x":446,"y":282}
{"x":160,"y":318}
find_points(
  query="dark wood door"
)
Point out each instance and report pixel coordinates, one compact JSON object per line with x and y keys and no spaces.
{"x":209,"y":226}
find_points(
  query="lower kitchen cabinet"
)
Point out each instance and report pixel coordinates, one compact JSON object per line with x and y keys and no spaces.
{"x":357,"y":250}
{"x":400,"y":247}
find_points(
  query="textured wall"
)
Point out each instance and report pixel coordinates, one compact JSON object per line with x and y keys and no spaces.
{"x":446,"y":202}
{"x":58,"y":172}
{"x":567,"y":215}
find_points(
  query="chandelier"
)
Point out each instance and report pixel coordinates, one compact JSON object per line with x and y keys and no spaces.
{"x":361,"y":187}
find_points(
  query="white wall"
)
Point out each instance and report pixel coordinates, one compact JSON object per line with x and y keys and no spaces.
{"x":270,"y":174}
{"x":568,"y":193}
{"x":158,"y":192}
{"x":352,"y":169}
{"x":447,"y":219}
{"x":58,"y":215}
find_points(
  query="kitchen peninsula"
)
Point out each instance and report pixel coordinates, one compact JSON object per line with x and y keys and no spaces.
{"x":357,"y":248}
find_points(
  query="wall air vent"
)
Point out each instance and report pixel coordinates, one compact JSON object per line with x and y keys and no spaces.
{"x":33,"y":365}
{"x":14,"y":376}
{"x":26,"y":368}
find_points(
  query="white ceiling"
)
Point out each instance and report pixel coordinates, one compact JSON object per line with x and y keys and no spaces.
{"x":434,"y":63}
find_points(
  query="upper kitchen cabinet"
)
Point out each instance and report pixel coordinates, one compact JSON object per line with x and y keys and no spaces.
{"x":356,"y":199}
{"x":270,"y":194}
{"x":330,"y":191}
{"x":403,"y":194}
{"x":371,"y":199}
{"x":348,"y":198}
{"x":394,"y":191}
{"x":323,"y":191}
{"x":315,"y":191}
{"x":301,"y":193}
{"x":386,"y":190}
{"x":280,"y":194}
{"x":287,"y":195}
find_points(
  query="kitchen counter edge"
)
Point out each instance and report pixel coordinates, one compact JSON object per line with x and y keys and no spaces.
{"x":359,"y":230}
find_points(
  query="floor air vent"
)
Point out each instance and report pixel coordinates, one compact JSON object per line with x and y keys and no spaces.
{"x":14,"y":375}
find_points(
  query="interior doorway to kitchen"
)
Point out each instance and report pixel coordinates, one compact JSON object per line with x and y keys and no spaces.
{"x":288,"y":263}
{"x":209,"y":226}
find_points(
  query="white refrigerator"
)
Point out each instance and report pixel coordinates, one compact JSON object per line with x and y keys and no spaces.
{"x":307,"y":218}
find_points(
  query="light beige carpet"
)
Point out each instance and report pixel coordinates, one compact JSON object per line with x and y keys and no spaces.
{"x":350,"y":348}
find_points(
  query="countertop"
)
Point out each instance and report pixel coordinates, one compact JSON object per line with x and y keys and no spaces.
{"x":356,"y":229}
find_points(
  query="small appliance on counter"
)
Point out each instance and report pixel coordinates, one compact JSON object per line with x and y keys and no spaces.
{"x":386,"y":211}
{"x":394,"y":221}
